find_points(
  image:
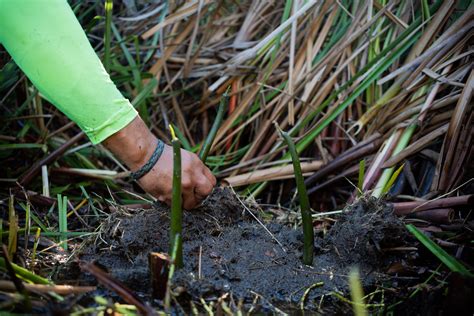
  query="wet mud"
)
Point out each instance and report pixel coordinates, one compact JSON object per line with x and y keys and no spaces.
{"x":238,"y":256}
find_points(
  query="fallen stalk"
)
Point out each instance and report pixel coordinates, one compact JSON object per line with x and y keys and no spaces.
{"x":114,"y":285}
{"x":405,"y":208}
{"x":439,"y":215}
{"x":42,"y":288}
{"x":273,"y":173}
{"x":49,"y":159}
{"x":355,"y":153}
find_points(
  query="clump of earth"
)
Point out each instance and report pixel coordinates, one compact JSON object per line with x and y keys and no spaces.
{"x":238,"y":256}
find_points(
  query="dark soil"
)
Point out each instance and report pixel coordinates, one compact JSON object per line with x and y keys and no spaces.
{"x":240,"y":257}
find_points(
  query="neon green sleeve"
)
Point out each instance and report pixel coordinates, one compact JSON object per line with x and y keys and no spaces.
{"x":48,"y":44}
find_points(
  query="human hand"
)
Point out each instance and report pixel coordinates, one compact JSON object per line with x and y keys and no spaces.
{"x":197,"y":181}
{"x":135,"y":144}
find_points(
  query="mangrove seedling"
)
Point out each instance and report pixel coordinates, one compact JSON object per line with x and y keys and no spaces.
{"x":206,"y":147}
{"x":176,"y":202}
{"x":308,"y":233}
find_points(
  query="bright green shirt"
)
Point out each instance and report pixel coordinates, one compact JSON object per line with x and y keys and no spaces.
{"x":48,"y":44}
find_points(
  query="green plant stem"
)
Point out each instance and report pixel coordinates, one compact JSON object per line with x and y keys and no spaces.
{"x":27,"y":223}
{"x":62,"y":211}
{"x":35,"y":247}
{"x":107,"y":35}
{"x":176,"y":204}
{"x":360,"y":183}
{"x":25,"y":274}
{"x":308,"y":232}
{"x":206,"y":147}
{"x":12,"y":228}
{"x":357,"y":294}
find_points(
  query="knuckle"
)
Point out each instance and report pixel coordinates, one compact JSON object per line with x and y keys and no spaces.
{"x":187,"y":183}
{"x":188,"y":205}
{"x":207,"y":190}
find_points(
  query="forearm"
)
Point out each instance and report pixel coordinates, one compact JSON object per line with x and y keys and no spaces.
{"x":48,"y":44}
{"x":133,"y":145}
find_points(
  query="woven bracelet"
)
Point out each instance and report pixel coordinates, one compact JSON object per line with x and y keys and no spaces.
{"x":136,"y":175}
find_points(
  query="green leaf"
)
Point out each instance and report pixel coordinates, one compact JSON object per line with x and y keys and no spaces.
{"x":392,"y":179}
{"x":360,"y":182}
{"x":452,"y":263}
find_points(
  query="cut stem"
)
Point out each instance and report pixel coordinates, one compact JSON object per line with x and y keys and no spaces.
{"x":308,"y":232}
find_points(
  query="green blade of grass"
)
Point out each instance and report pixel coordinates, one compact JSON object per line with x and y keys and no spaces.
{"x":392,"y":180}
{"x":25,"y":274}
{"x":452,"y":263}
{"x":206,"y":147}
{"x":35,"y":247}
{"x":139,"y":101}
{"x":357,"y":294}
{"x":27,"y":223}
{"x":12,"y":228}
{"x":107,"y":33}
{"x":360,"y":182}
{"x":131,"y":61}
{"x":62,"y":215}
{"x":21,"y":146}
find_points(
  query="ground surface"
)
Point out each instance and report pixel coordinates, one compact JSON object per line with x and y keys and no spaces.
{"x":240,"y":257}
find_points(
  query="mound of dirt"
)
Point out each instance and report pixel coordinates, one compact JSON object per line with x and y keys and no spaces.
{"x":240,"y":257}
{"x":364,"y":233}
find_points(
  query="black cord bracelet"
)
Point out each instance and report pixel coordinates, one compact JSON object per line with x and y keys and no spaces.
{"x":136,"y":175}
